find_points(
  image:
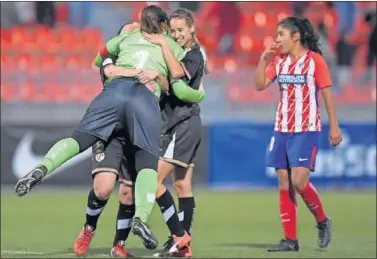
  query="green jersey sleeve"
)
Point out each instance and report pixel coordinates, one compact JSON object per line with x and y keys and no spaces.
{"x":185,"y":93}
{"x":112,"y":47}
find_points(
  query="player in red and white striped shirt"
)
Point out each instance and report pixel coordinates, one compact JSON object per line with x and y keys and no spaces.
{"x":301,"y":73}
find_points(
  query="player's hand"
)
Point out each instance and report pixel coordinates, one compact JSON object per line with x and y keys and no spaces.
{"x":146,"y":76}
{"x":335,"y":136}
{"x":131,"y":27}
{"x":271,"y":50}
{"x":157,"y":39}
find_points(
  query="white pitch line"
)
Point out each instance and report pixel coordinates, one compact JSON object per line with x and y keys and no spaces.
{"x":21,"y":252}
{"x":10,"y":252}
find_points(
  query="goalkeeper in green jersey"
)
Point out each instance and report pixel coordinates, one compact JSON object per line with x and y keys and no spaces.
{"x":124,"y":107}
{"x":106,"y":170}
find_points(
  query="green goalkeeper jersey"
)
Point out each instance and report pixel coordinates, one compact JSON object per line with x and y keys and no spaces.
{"x":135,"y":52}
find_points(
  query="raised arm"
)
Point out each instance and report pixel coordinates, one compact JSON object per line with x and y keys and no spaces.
{"x":264,"y":74}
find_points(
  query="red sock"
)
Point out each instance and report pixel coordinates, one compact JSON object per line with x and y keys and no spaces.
{"x":288,"y":213}
{"x":311,"y":198}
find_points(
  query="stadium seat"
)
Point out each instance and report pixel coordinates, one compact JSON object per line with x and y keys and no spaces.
{"x":25,"y":62}
{"x":43,"y":40}
{"x":66,"y":40}
{"x":49,"y":62}
{"x":6,"y":40}
{"x":19,"y":38}
{"x":243,"y":43}
{"x":90,"y":40}
{"x":87,"y":91}
{"x":73,"y":62}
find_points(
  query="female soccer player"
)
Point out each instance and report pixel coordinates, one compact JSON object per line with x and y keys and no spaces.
{"x":301,"y":73}
{"x":181,"y":133}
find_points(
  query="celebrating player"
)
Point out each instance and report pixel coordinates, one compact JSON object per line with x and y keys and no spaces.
{"x":301,"y":73}
{"x":181,"y":134}
{"x":123,"y":107}
{"x":104,"y":162}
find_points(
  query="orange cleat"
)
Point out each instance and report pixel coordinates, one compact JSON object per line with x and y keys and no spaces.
{"x":83,"y":241}
{"x":174,"y":245}
{"x":120,"y":251}
{"x":185,"y":252}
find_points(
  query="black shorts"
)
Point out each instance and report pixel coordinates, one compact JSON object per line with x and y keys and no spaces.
{"x":180,"y":146}
{"x":115,"y":157}
{"x":127,"y":107}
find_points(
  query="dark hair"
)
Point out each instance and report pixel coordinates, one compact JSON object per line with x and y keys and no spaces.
{"x":121,"y":29}
{"x":151,"y":19}
{"x":308,"y":38}
{"x":183,"y":13}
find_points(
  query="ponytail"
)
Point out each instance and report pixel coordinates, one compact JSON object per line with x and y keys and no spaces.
{"x":309,"y":39}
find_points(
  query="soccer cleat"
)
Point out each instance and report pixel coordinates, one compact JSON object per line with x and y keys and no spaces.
{"x":285,"y":245}
{"x":174,"y":245}
{"x":168,"y":244}
{"x":324,"y":233}
{"x":185,"y":252}
{"x":141,"y":229}
{"x":26,"y":183}
{"x":82,"y":243}
{"x":120,"y":251}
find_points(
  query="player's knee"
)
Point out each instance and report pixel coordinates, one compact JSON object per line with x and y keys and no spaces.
{"x":183,"y":188}
{"x":283,"y":179}
{"x":103,"y":185}
{"x":299,"y":183}
{"x":126,"y":195}
{"x":300,"y":177}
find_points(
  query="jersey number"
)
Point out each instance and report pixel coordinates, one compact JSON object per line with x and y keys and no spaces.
{"x":141,"y":58}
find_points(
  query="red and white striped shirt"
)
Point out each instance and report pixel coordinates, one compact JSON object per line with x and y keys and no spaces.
{"x":299,"y":82}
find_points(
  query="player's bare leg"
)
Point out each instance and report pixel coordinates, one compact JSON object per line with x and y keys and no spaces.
{"x":102,"y":188}
{"x":300,"y":181}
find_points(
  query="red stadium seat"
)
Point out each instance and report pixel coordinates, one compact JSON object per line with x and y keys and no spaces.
{"x":8,"y":92}
{"x":49,"y":62}
{"x":87,"y":91}
{"x":66,"y":40}
{"x":6,"y":40}
{"x":73,"y":62}
{"x":19,"y":38}
{"x":90,"y":40}
{"x":243,"y":43}
{"x":26,"y":62}
{"x":43,"y":40}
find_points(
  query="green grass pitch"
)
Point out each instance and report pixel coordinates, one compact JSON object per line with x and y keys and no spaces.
{"x":228,"y":225}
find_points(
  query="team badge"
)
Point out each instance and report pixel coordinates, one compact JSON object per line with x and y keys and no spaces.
{"x":99,"y":157}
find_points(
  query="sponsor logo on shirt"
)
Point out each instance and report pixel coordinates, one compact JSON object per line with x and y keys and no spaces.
{"x":291,"y":79}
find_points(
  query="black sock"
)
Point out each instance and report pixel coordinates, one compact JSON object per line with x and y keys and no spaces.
{"x":187,"y":212}
{"x":94,"y":209}
{"x":124,"y":219}
{"x":167,"y":206}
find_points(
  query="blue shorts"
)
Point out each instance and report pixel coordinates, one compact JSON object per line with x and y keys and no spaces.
{"x":287,"y":150}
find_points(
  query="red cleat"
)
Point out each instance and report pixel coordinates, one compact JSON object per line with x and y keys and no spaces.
{"x":120,"y":251}
{"x":184,"y":252}
{"x":83,"y":241}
